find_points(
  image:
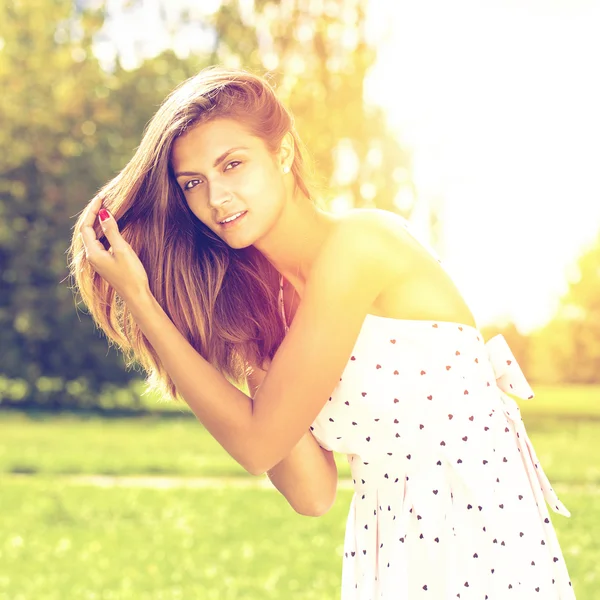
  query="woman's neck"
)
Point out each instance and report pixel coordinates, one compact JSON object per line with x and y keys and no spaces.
{"x":294,"y":244}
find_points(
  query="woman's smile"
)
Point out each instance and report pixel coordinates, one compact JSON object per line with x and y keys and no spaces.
{"x":234,"y":222}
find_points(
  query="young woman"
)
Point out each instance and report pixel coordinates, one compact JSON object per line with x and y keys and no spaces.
{"x":208,"y":258}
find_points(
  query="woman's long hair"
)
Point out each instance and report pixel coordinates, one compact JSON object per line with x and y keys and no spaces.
{"x":223,"y":300}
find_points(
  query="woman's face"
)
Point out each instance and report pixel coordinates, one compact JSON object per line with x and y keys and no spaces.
{"x":224,"y":170}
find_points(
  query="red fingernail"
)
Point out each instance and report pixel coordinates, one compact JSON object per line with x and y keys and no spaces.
{"x":103,"y":213}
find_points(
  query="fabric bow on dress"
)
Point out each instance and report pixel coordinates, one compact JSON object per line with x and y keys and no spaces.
{"x":511,"y":380}
{"x":509,"y":376}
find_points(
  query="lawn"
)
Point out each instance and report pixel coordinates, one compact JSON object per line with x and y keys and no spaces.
{"x":82,"y":542}
{"x":71,"y":541}
{"x":564,"y":433}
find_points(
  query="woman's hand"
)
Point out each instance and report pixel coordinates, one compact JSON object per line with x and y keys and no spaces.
{"x":120,"y":266}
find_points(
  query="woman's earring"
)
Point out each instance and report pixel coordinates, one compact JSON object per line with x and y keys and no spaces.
{"x":286,"y":169}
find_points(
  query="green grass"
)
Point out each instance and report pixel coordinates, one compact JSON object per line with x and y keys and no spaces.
{"x":564,"y":401}
{"x":80,"y":542}
{"x":71,"y":543}
{"x":70,"y":444}
{"x":568,"y":449}
{"x":560,"y":421}
{"x":77,"y":541}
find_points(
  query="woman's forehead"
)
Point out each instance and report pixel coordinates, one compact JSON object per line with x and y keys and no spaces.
{"x":210,"y":139}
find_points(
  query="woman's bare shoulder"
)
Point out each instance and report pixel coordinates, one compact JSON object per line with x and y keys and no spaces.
{"x":386,"y":218}
{"x":386,"y":230}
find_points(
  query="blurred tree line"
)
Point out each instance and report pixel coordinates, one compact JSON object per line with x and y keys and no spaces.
{"x":566,"y":349}
{"x":68,"y":124}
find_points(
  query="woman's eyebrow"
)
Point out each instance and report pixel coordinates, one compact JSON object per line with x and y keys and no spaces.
{"x":219,"y":159}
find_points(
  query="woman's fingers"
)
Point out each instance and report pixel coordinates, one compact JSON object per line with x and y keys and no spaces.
{"x":111,"y":231}
{"x":92,"y":246}
{"x":119,"y":266}
{"x":91,"y":213}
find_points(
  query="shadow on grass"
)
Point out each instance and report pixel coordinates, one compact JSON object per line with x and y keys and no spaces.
{"x":41,"y":414}
{"x":23,"y":470}
{"x":534,"y":421}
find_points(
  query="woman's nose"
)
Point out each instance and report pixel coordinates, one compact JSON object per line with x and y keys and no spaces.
{"x":218,"y":195}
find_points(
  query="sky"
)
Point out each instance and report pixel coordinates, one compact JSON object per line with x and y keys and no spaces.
{"x":499,"y":102}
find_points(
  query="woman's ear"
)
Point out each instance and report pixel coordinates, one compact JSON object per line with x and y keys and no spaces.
{"x":286,"y":152}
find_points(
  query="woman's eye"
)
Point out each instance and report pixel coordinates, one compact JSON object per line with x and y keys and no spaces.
{"x":189,"y":186}
{"x":192,"y":183}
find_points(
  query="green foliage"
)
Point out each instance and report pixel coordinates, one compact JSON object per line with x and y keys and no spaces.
{"x":318,"y":58}
{"x":67,"y":126}
{"x":50,"y":109}
{"x":581,"y":311}
{"x":567,"y":349}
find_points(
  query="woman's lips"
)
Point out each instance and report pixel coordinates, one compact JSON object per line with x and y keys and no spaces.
{"x":235,"y":222}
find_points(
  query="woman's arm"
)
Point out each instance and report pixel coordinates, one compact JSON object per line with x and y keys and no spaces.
{"x":224,"y":410}
{"x":352,"y":269}
{"x":307,"y":477}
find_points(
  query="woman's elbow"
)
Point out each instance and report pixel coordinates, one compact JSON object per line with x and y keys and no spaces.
{"x":255,"y":464}
{"x":253,"y":470}
{"x":316,"y":509}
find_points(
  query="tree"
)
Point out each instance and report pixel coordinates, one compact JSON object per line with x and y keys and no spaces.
{"x":318,"y":57}
{"x":67,"y":126}
{"x":570,"y":343}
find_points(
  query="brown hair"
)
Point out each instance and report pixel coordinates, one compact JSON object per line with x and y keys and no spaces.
{"x":223,"y":300}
